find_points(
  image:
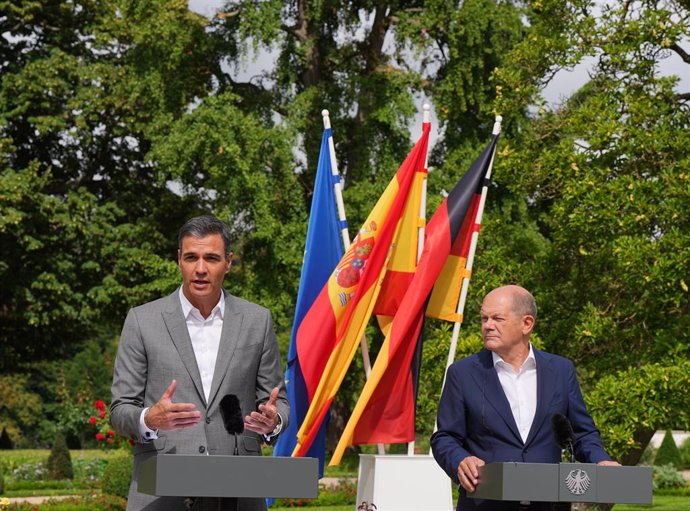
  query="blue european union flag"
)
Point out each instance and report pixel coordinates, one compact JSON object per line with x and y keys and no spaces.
{"x":323,"y":251}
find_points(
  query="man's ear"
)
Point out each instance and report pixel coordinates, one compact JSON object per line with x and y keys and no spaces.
{"x":527,"y":324}
{"x":228,"y":262}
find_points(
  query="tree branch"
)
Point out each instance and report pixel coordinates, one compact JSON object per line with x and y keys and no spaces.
{"x":681,"y":52}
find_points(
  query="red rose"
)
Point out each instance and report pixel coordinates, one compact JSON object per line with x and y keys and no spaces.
{"x":99,"y":405}
{"x":92,"y":420}
{"x":111,"y":433}
{"x":102,"y":415}
{"x":132,"y":442}
{"x":100,"y":437}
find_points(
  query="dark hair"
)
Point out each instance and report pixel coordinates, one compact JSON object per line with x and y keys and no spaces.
{"x":202,"y":226}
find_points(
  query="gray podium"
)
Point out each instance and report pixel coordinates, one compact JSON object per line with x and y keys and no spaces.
{"x":564,"y":482}
{"x":189,"y":475}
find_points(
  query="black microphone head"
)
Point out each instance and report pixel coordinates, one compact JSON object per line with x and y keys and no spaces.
{"x":232,"y":414}
{"x":563,"y":431}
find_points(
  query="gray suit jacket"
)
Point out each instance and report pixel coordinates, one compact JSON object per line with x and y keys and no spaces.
{"x":155,"y":348}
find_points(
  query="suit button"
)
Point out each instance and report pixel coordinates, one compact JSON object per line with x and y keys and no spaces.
{"x":202,"y":449}
{"x":208,"y":420}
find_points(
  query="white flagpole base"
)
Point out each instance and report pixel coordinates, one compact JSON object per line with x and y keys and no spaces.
{"x":403,"y":483}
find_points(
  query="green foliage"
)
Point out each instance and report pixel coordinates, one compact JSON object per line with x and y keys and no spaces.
{"x":118,"y":474}
{"x":60,"y":462}
{"x":668,"y":453}
{"x":647,"y":456}
{"x":83,"y":503}
{"x":2,"y":481}
{"x":342,"y":493}
{"x":667,"y":476}
{"x":630,"y":405}
{"x":21,"y":407}
{"x":685,"y":453}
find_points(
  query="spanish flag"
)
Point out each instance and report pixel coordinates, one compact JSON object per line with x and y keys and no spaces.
{"x":385,"y":409}
{"x":329,"y":334}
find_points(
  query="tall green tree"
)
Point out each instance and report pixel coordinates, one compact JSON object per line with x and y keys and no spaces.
{"x":605,"y":175}
{"x":86,"y":219}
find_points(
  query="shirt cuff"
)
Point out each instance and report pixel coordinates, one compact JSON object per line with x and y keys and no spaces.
{"x":145,"y":433}
{"x":276,"y":431}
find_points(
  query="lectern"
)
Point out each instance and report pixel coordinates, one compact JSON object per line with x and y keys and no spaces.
{"x":564,"y":482}
{"x":189,"y":475}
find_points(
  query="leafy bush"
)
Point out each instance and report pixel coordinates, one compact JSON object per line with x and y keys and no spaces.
{"x":118,"y":474}
{"x":2,"y":482}
{"x":668,"y":453}
{"x":685,"y":453}
{"x":86,"y":503}
{"x":648,"y":455}
{"x":342,"y":494}
{"x":667,"y":476}
{"x":60,"y":461}
{"x":31,"y":471}
{"x":89,"y":471}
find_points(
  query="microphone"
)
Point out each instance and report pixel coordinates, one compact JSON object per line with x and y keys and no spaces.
{"x":563,"y":431}
{"x":231,"y":413}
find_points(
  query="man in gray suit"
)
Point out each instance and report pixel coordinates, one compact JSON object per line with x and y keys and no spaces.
{"x":180,"y":355}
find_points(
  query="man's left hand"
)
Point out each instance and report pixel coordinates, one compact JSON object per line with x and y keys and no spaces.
{"x":609,"y":463}
{"x":266,"y":419}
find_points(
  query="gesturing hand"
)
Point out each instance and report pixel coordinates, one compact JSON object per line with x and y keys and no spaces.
{"x":468,"y":472}
{"x":266,"y":419}
{"x":168,"y":415}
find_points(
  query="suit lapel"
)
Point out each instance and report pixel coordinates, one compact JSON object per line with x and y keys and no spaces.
{"x":177,"y":328}
{"x":229,"y":339}
{"x":545,"y":381}
{"x":493,"y":392}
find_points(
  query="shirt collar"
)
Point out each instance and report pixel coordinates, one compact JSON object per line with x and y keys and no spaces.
{"x":188,"y":308}
{"x":530,"y":361}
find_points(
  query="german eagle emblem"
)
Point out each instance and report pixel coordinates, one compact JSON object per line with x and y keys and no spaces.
{"x":578,"y":482}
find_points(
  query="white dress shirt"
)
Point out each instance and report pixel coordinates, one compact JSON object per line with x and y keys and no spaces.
{"x":520,"y":388}
{"x":205,"y":336}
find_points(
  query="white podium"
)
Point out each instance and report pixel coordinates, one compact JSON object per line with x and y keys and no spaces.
{"x":403,"y":483}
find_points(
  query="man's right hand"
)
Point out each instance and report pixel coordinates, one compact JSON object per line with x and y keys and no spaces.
{"x":468,"y":472}
{"x":168,"y":415}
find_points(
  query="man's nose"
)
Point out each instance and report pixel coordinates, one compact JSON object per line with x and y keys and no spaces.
{"x":200,"y":266}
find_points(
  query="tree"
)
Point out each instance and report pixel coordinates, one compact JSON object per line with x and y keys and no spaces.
{"x":668,"y":453}
{"x":87,"y":224}
{"x":605,"y":175}
{"x":59,"y":461}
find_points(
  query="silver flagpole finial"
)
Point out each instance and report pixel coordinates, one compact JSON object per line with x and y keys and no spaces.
{"x":497,"y":125}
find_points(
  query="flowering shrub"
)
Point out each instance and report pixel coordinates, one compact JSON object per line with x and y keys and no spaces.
{"x":105,"y":434}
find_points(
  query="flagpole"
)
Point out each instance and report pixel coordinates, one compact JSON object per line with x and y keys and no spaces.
{"x":338,"y":189}
{"x":426,"y":119}
{"x":470,"y":261}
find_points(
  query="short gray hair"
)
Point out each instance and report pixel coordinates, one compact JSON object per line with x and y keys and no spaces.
{"x":202,"y":226}
{"x":524,"y":304}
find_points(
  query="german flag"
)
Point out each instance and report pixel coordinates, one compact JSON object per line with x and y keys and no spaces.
{"x":329,"y":334}
{"x":384,"y":412}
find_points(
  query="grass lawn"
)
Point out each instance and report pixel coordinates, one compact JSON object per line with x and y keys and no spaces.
{"x":660,"y":503}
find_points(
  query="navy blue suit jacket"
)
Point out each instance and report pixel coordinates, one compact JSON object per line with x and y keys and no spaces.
{"x":474,"y":419}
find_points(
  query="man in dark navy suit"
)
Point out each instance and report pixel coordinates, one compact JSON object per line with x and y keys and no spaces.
{"x":497,"y":405}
